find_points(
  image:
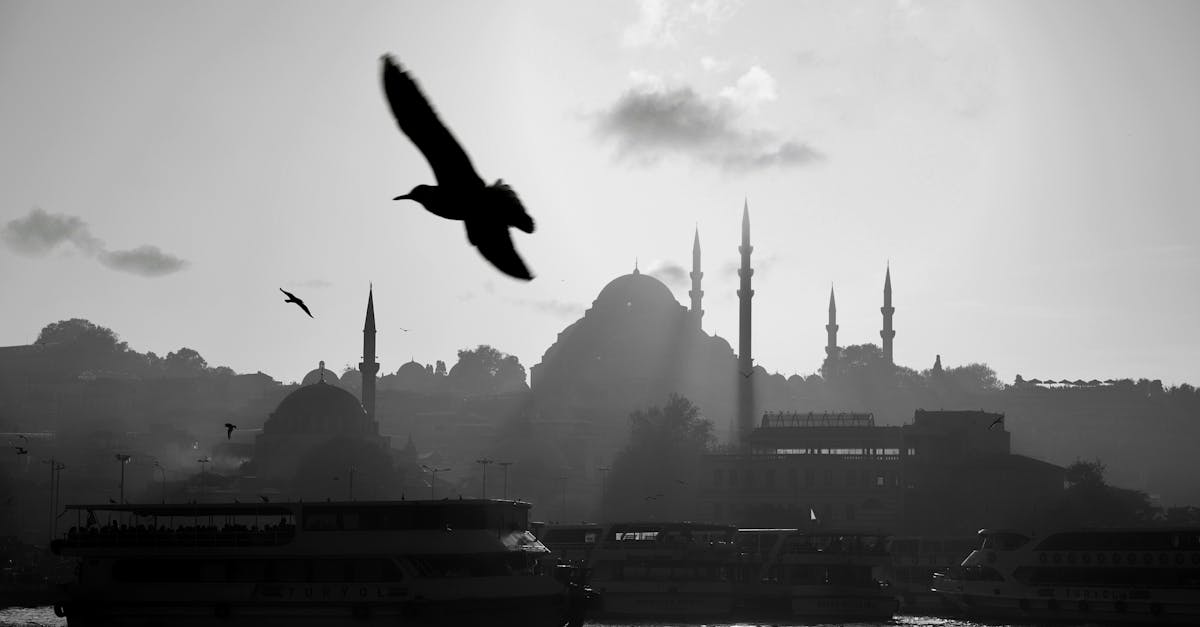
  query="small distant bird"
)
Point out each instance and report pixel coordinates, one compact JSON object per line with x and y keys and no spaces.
{"x":112,"y":501}
{"x":746,"y":374}
{"x":486,"y":210}
{"x":229,"y":427}
{"x":264,"y":498}
{"x":998,"y":421}
{"x":291,"y":298}
{"x":21,"y":450}
{"x":680,"y":482}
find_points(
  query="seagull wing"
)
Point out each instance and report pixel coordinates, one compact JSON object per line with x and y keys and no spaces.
{"x":495,"y":244}
{"x":451,"y":165}
{"x":304,"y":307}
{"x":289,"y":294}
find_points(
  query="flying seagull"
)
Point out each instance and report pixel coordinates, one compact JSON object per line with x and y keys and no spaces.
{"x":21,"y":450}
{"x":264,"y":498}
{"x":998,"y":421}
{"x":229,"y":427}
{"x":292,"y":298}
{"x":486,"y":210}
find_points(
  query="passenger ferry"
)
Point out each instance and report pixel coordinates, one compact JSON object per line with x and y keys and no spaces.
{"x":653,"y":570}
{"x":437,"y":563}
{"x":813,"y":574}
{"x":915,"y":560}
{"x":1103,"y":575}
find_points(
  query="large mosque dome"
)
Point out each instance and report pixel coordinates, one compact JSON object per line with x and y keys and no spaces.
{"x":636,"y":290}
{"x":319,"y":408}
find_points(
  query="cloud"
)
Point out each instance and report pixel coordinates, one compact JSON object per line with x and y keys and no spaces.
{"x":709,"y":64}
{"x":762,"y":265}
{"x":659,"y":22}
{"x":145,"y":260}
{"x":39,"y":233}
{"x":753,"y":88}
{"x":650,"y":121}
{"x":669,"y":272}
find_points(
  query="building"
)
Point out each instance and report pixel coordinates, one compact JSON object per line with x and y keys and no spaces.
{"x":948,"y":472}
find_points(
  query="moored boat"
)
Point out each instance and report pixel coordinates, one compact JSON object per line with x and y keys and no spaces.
{"x":437,"y":563}
{"x":1149,"y":575}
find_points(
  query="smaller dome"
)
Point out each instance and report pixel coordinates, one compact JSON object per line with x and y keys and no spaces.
{"x":411,"y":368}
{"x":315,"y":375}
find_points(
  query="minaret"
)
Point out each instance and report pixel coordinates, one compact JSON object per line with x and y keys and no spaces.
{"x":745,"y":359}
{"x":887,"y":333}
{"x":368,"y":367}
{"x":696,"y":293}
{"x":831,"y":329}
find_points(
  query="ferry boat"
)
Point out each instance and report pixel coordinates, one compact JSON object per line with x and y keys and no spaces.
{"x":653,"y":570}
{"x":915,"y":559}
{"x":437,"y":563}
{"x":813,"y":574}
{"x":1147,"y":576}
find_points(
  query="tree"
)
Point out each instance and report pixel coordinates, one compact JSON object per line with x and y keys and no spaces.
{"x":80,"y":332}
{"x":485,"y":370}
{"x":184,"y":362}
{"x":440,"y":370}
{"x":1088,"y":500}
{"x":656,"y":474}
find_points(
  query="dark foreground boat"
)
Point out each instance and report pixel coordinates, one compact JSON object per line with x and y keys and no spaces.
{"x":1142,"y":576}
{"x":426,"y":563}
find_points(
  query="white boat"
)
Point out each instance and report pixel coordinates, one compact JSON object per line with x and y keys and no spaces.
{"x":653,"y":570}
{"x":1149,"y":575}
{"x":815,"y":574}
{"x":437,"y":563}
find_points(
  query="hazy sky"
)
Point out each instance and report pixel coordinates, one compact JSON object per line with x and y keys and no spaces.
{"x":1030,"y":169}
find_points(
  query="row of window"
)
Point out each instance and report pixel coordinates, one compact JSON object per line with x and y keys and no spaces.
{"x":805,"y":511}
{"x":503,"y":517}
{"x":1177,"y":558}
{"x":1148,"y":539}
{"x":1156,"y":577}
{"x":853,"y":478}
{"x":255,"y":570}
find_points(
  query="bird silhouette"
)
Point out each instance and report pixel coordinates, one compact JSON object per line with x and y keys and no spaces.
{"x":998,"y":421}
{"x":746,"y":374}
{"x":112,"y":501}
{"x":229,"y":427}
{"x":21,"y":450}
{"x":291,"y":298}
{"x":264,"y":498}
{"x":487,"y":211}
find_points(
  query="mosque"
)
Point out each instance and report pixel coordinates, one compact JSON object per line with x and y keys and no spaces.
{"x":318,"y":412}
{"x":637,"y":342}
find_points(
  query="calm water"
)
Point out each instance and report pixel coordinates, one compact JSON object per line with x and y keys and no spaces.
{"x":44,"y":617}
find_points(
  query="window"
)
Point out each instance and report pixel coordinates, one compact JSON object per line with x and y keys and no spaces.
{"x":880,"y":481}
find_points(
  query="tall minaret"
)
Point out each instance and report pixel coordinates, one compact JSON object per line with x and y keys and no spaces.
{"x":696,"y":293}
{"x":887,"y":333}
{"x":831,"y":328}
{"x":745,"y":359}
{"x":368,"y":367}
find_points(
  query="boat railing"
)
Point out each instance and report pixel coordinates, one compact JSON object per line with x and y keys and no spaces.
{"x":198,"y":535}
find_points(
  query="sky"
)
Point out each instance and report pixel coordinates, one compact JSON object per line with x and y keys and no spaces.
{"x":1028,"y":169}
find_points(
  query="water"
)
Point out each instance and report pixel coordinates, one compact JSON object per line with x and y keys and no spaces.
{"x":44,"y":617}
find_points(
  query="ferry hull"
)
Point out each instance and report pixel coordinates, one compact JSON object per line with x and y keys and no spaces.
{"x":1040,"y":610}
{"x":510,"y":612}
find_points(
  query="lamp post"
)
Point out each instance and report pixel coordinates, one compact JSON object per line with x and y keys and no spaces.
{"x":203,"y":460}
{"x":603,"y":481}
{"x":505,"y":466}
{"x":433,"y":479}
{"x":55,"y":480}
{"x":163,"y":480}
{"x":124,"y":459}
{"x":564,"y":498}
{"x":484,"y":462}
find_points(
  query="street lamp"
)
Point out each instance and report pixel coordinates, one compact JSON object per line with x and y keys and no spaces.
{"x":484,"y":462}
{"x":203,"y":460}
{"x":124,"y":459}
{"x":433,"y":479}
{"x":163,"y":475}
{"x":505,"y":466}
{"x":564,"y":498}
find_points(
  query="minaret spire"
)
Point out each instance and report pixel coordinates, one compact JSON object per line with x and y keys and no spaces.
{"x":696,"y":293}
{"x":887,"y":310}
{"x":745,"y":358}
{"x":831,"y":329}
{"x":368,"y":367}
